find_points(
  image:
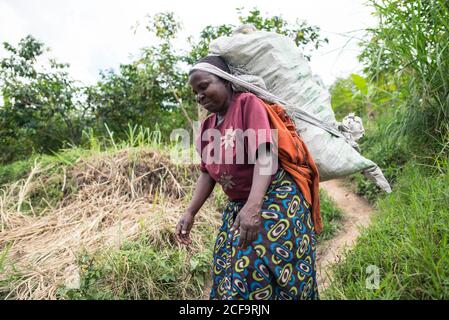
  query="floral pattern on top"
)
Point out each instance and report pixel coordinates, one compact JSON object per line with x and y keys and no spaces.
{"x":223,"y":161}
{"x":228,"y":139}
{"x":226,"y":181}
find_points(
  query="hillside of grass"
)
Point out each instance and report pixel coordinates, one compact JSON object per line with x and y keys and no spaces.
{"x":101,"y":204}
{"x":407,"y":243}
{"x":99,"y":224}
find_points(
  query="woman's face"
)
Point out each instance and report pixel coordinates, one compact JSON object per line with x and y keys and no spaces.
{"x":210,"y":91}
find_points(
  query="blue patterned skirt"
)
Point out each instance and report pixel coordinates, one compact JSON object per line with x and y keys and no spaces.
{"x":280,"y":264}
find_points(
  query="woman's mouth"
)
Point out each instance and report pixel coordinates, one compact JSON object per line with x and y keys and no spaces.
{"x":206,"y":104}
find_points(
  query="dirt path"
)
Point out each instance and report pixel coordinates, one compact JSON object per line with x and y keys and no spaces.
{"x":356,"y":212}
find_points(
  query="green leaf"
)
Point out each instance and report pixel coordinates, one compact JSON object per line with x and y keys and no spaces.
{"x":360,"y":83}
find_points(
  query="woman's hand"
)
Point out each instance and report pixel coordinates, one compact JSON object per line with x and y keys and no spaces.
{"x":249,"y":222}
{"x":204,"y":188}
{"x":183,"y":228}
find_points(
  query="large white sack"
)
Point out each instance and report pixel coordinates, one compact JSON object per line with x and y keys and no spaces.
{"x":287,"y":75}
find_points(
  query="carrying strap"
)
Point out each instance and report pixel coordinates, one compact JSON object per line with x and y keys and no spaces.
{"x":271,"y":98}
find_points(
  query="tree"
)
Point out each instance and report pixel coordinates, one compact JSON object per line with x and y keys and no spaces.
{"x":147,"y":91}
{"x":306,"y":37}
{"x":153,"y":89}
{"x":43,"y":109}
{"x":40,"y":111}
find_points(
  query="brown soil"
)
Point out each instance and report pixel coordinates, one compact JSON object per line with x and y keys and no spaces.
{"x":356,"y":213}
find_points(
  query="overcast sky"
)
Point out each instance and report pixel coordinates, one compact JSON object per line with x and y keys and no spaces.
{"x":92,"y":35}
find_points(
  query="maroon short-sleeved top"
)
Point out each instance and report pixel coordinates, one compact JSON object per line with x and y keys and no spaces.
{"x":228,"y":149}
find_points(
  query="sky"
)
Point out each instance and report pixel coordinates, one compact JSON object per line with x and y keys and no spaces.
{"x":94,"y":35}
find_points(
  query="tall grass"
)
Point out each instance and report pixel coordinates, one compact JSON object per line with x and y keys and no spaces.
{"x":407,"y":243}
{"x":410,"y":42}
{"x":135,"y":136}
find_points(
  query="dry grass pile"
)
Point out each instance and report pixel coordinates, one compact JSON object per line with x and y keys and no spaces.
{"x":107,"y":198}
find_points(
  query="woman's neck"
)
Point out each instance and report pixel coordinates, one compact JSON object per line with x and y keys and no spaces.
{"x":219,"y":119}
{"x":227,"y":105}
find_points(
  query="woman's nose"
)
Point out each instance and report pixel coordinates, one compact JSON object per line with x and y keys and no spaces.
{"x":199,"y":97}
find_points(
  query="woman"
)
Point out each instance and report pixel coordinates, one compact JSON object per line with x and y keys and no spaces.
{"x":266,"y":246}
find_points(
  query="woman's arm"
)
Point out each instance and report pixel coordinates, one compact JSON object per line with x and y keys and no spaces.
{"x":249,"y":219}
{"x":204,"y":188}
{"x":261,"y":180}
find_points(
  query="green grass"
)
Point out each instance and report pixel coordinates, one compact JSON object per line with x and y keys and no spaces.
{"x":331,"y":216}
{"x":50,"y":182}
{"x":140,"y":271}
{"x":137,"y":136}
{"x":408,"y":243}
{"x":388,"y":150}
{"x":20,"y":169}
{"x":410,"y":42}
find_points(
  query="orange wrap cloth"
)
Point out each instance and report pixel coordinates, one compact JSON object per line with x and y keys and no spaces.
{"x":296,"y":159}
